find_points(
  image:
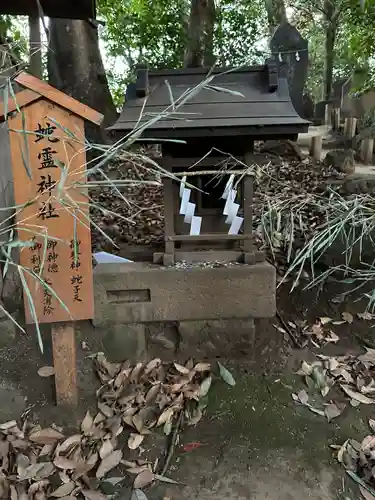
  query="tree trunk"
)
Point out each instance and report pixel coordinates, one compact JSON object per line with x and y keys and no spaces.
{"x":199,"y":51}
{"x":330,"y":38}
{"x":276,"y":13}
{"x":75,"y":66}
{"x":329,"y":60}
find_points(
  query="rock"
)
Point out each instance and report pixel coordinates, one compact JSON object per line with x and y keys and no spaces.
{"x":282,"y":148}
{"x":12,"y":294}
{"x":342,"y":160}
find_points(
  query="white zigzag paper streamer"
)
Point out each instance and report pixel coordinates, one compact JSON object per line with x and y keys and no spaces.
{"x":231,"y":207}
{"x":187,"y":209}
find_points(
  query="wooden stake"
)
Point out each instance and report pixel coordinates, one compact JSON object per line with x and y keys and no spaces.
{"x":35,"y":47}
{"x":350,"y":127}
{"x":336,"y":119}
{"x":327,"y":115}
{"x":366,"y":151}
{"x":316,"y":142}
{"x":65,"y":364}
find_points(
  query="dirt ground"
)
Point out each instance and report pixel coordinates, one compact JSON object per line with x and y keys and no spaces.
{"x":254,"y":443}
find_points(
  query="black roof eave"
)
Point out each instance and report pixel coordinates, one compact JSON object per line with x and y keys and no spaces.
{"x":69,"y":9}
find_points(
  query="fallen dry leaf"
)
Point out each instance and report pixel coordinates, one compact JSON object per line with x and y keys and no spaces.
{"x":108,"y":463}
{"x":357,"y":396}
{"x":181,"y":369}
{"x":63,"y":490}
{"x":66,"y":445}
{"x":85,"y":346}
{"x":8,"y":425}
{"x":280,"y":329}
{"x":368,"y":357}
{"x":137,"y":469}
{"x":332,"y":337}
{"x":333,"y":410}
{"x":45,"y":436}
{"x":202,"y":367}
{"x":106,"y":449}
{"x":166,"y":416}
{"x":105,"y":409}
{"x":368,"y":444}
{"x":143,"y":479}
{"x":87,"y":423}
{"x":135,"y":440}
{"x":136,"y":372}
{"x":46,"y":371}
{"x":303,"y":397}
{"x":138,"y":495}
{"x":346,"y":316}
{"x":153,"y":392}
{"x":226,"y":375}
{"x":94,"y":495}
{"x":164,"y":479}
{"x":324,"y":320}
{"x":205,"y":387}
{"x":154,"y":363}
{"x":65,"y":463}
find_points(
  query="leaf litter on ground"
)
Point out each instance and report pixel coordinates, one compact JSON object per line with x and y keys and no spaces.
{"x":358,"y":459}
{"x":40,"y":463}
{"x":352,"y":376}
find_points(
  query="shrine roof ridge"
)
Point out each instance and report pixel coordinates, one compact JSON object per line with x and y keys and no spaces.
{"x":246,"y":101}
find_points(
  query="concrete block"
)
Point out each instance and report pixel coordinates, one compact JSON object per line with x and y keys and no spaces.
{"x":209,"y":339}
{"x":168,"y":259}
{"x":163,"y":340}
{"x":125,"y":342}
{"x":175,"y":294}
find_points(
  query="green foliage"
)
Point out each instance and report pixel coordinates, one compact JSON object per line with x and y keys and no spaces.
{"x":354,"y":44}
{"x":146,"y":30}
{"x":156,"y":31}
{"x":238,"y":29}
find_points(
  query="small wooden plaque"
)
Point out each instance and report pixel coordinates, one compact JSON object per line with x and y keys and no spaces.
{"x":59,"y":223}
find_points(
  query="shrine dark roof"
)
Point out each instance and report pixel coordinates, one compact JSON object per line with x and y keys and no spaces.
{"x":65,"y":9}
{"x":255,"y":102}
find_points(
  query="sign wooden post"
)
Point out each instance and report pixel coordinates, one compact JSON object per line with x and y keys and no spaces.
{"x":48,"y":164}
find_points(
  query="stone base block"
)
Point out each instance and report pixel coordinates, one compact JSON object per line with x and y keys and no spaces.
{"x":149,"y":294}
{"x":125,"y":342}
{"x":163,"y":340}
{"x":232,"y":339}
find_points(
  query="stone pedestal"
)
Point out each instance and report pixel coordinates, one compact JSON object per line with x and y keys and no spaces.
{"x":147,"y":311}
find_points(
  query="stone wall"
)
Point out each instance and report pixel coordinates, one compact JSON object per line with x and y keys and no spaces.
{"x":174,"y":313}
{"x":128,"y":293}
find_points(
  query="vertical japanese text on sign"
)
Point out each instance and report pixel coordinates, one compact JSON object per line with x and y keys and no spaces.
{"x":60,"y":255}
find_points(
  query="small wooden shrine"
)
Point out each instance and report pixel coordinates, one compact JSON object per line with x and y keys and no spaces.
{"x":213,"y":121}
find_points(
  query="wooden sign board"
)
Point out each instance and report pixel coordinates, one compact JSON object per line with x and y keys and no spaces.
{"x":47,"y":164}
